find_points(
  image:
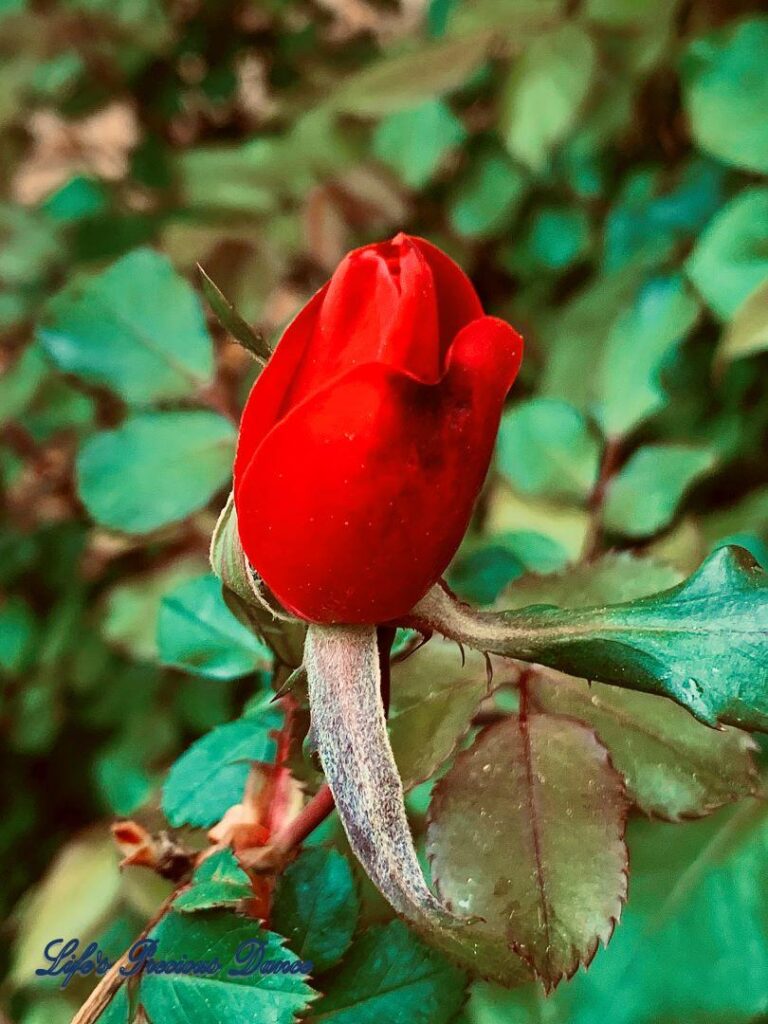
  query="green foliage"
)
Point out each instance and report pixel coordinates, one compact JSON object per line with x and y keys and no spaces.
{"x":729,"y":260}
{"x":544,"y":93}
{"x":434,"y":694}
{"x":316,"y":907}
{"x":674,"y":766}
{"x":272,"y":998}
{"x":389,"y":975}
{"x":541,"y":793}
{"x":643,"y":497}
{"x":210,"y":776}
{"x":415,"y":142}
{"x":726,"y":93}
{"x":219,"y":881}
{"x":680,"y":643}
{"x":103,"y":330}
{"x":598,"y":170}
{"x":546,"y":447}
{"x":196,"y":631}
{"x":155,"y":469}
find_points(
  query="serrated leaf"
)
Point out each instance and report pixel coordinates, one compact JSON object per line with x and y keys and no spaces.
{"x":350,"y":733}
{"x":526,"y":831}
{"x":702,"y":643}
{"x":210,"y":776}
{"x":747,"y":333}
{"x":316,"y":907}
{"x":197,"y":632}
{"x":674,"y":766}
{"x":433,"y":698}
{"x":155,"y":469}
{"x":269,"y":998}
{"x":407,"y":79}
{"x":231,"y":320}
{"x":644,"y":495}
{"x":389,"y":975}
{"x":545,"y":447}
{"x":137,"y":327}
{"x":218,"y":881}
{"x":726,"y":93}
{"x":729,"y":261}
{"x":545,"y":90}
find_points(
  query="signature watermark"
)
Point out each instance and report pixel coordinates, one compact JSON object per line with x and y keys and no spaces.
{"x":65,"y":959}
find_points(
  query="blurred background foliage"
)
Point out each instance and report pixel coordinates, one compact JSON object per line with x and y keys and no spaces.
{"x":597,"y":166}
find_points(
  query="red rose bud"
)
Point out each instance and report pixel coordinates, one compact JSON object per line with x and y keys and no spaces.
{"x":365,"y":441}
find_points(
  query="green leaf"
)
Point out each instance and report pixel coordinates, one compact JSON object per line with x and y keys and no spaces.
{"x":197,"y":632}
{"x":123,"y":783}
{"x":350,"y":733}
{"x":388,"y":975}
{"x":747,"y":333}
{"x":557,"y":238}
{"x":487,"y":196}
{"x":118,"y":1011}
{"x":640,"y":339}
{"x":435,"y":692}
{"x":210,"y":776}
{"x":544,"y":93}
{"x":316,"y":907}
{"x":701,"y":643}
{"x":545,"y":447}
{"x":644,"y":496}
{"x":155,"y":469}
{"x":725,"y":90}
{"x":575,"y":337}
{"x":132,"y":607}
{"x":415,"y":142}
{"x":74,"y":898}
{"x":20,"y":382}
{"x":18,"y":629}
{"x":231,"y":320}
{"x":269,"y":998}
{"x":526,"y":830}
{"x":730,"y":259}
{"x":219,"y":881}
{"x":674,"y":766}
{"x":407,"y":79}
{"x":697,"y":906}
{"x":617,"y":576}
{"x":481,"y":573}
{"x":137,"y":327}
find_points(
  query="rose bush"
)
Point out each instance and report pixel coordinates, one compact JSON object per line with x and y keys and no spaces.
{"x":365,"y":441}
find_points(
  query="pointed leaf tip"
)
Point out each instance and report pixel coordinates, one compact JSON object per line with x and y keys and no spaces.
{"x":231,"y":320}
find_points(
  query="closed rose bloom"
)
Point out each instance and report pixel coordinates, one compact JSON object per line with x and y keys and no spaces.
{"x":365,"y":441}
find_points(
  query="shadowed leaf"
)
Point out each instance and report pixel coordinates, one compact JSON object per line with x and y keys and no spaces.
{"x":526,"y":831}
